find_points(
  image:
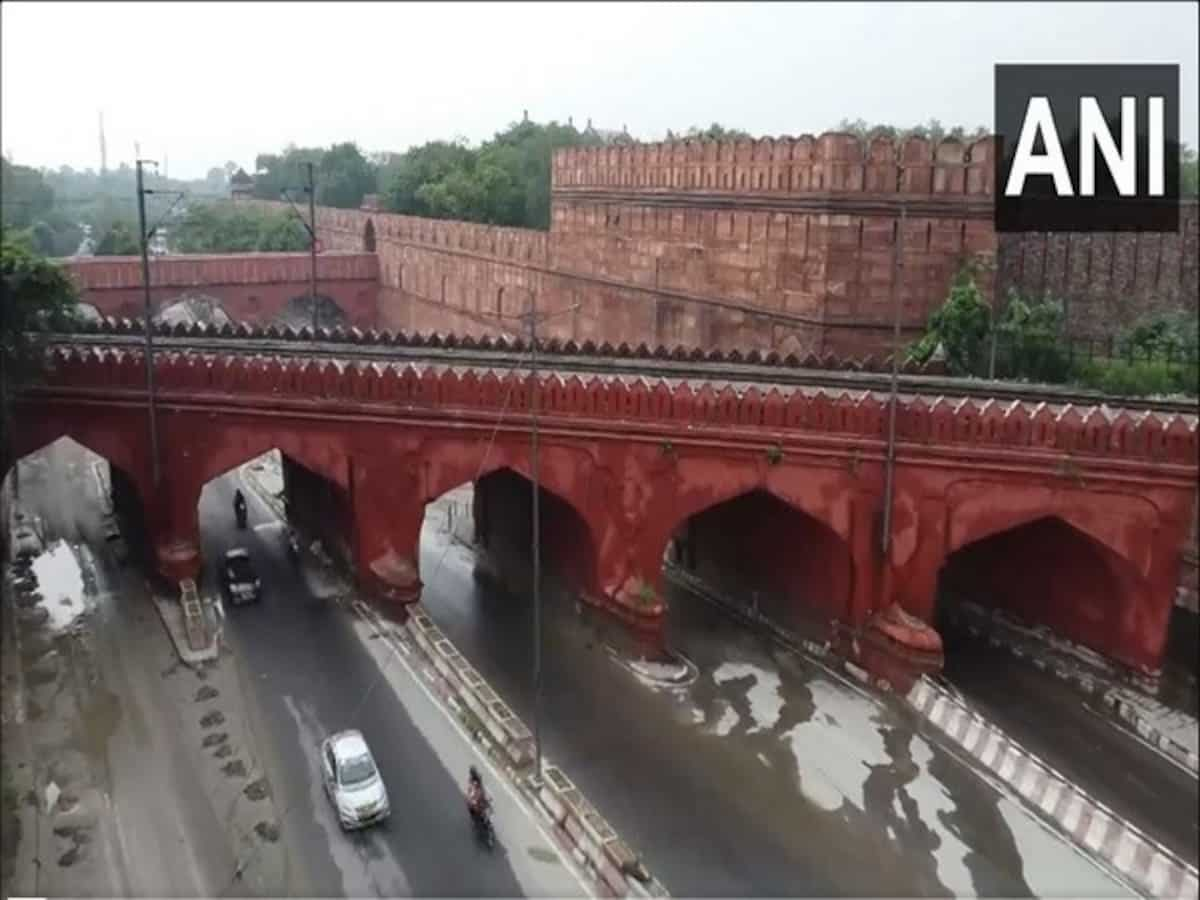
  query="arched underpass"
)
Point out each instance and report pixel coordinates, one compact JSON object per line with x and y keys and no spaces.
{"x":80,"y":520}
{"x":1043,"y":573}
{"x":1046,"y":573}
{"x":765,"y":557}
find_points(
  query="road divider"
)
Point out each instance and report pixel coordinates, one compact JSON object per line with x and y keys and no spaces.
{"x":1151,"y":868}
{"x":591,"y":840}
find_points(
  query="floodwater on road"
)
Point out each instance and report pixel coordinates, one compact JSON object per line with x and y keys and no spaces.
{"x":766,"y":773}
{"x":60,"y":582}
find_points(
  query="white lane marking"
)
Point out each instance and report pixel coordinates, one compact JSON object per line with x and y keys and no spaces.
{"x":517,"y":798}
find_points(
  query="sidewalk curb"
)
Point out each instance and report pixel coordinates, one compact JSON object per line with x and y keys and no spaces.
{"x":1061,"y":663}
{"x":1128,"y":713}
{"x":172,"y":619}
{"x":1149,"y":866}
{"x":592,"y":840}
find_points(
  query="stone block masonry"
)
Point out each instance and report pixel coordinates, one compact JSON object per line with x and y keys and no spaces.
{"x":786,"y":245}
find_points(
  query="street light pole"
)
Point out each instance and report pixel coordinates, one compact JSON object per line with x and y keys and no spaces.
{"x":312,"y":244}
{"x":537,"y":542}
{"x":890,"y":468}
{"x":148,"y":323}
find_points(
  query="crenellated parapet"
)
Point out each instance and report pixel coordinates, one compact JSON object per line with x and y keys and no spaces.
{"x":757,"y":412}
{"x":830,"y":163}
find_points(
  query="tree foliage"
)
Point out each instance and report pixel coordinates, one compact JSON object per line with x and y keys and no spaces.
{"x":932,"y":130}
{"x":119,"y":239}
{"x":37,"y":291}
{"x":343,"y":175}
{"x":219,"y":228}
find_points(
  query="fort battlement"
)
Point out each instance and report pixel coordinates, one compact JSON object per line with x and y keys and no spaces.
{"x":830,"y":163}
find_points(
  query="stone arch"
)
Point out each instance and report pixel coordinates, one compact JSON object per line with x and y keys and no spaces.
{"x":767,"y":554}
{"x":570,"y":532}
{"x":235,"y":445}
{"x":368,"y":241}
{"x":1048,"y":571}
{"x":1111,"y":519}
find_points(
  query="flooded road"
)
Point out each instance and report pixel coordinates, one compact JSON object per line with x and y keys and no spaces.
{"x":311,"y":675}
{"x":1074,"y":734}
{"x":132,"y":816}
{"x":767,"y":775}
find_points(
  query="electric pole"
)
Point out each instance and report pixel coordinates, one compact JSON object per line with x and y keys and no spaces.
{"x":897,"y":304}
{"x":537,"y":540}
{"x":535,"y":473}
{"x":312,"y":244}
{"x":311,"y":227}
{"x":148,"y":322}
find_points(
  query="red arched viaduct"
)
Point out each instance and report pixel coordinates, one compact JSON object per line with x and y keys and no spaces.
{"x":1105,"y":499}
{"x":250,"y":287}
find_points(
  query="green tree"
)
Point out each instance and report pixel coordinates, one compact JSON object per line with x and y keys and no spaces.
{"x":119,"y":240}
{"x":1189,"y":172}
{"x":345,"y":176}
{"x":220,"y":228}
{"x":932,"y":130}
{"x":960,"y":326}
{"x":36,"y":291}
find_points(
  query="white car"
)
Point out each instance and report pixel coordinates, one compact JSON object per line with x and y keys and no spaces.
{"x":352,"y":780}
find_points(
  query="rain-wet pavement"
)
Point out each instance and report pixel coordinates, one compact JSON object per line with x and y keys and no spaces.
{"x":132,"y":817}
{"x":1075,"y":735}
{"x":767,"y":775}
{"x":312,"y":675}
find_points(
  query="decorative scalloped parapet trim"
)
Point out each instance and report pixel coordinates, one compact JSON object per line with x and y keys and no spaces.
{"x":548,"y":346}
{"x":829,"y":162}
{"x":1070,"y":431}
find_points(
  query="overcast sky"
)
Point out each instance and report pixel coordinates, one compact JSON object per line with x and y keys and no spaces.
{"x":205,"y":83}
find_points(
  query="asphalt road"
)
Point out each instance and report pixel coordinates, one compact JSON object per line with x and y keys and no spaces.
{"x":161,"y":836}
{"x":1077,"y":737}
{"x":313,"y":675}
{"x":765,"y":777}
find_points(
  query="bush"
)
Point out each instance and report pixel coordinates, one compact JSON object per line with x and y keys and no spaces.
{"x":1138,"y":379}
{"x":960,"y":326}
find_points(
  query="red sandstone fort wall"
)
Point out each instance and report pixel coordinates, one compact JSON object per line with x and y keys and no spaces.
{"x":784,"y":245}
{"x":250,"y":287}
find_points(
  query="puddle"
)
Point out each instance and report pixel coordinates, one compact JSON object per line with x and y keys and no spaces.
{"x":766,"y":700}
{"x":257,"y":790}
{"x":235,"y":769}
{"x":206,"y":693}
{"x":268,"y":831}
{"x":223,"y":751}
{"x":211,"y":740}
{"x":61,"y":582}
{"x":212,"y":719}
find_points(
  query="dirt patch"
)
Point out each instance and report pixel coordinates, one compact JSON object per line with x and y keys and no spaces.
{"x":268,"y":831}
{"x":257,"y":790}
{"x":212,"y":719}
{"x":211,"y":740}
{"x":235,"y":769}
{"x":223,"y":751}
{"x":206,"y":693}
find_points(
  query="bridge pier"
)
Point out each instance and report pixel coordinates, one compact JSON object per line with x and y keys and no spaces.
{"x":388,"y":513}
{"x":173,"y":514}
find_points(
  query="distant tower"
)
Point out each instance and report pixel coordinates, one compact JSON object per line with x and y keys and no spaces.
{"x":165,"y":170}
{"x":103,"y":147}
{"x":137,"y":151}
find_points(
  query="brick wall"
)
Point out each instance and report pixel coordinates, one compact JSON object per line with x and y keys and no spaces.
{"x":251,"y":287}
{"x":724,"y":245}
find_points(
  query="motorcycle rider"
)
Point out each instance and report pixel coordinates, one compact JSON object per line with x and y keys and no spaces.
{"x":239,"y":504}
{"x":476,"y":797}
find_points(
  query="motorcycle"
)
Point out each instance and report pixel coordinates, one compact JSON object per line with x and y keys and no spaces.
{"x":239,"y":510}
{"x":481,"y":818}
{"x":293,"y":547}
